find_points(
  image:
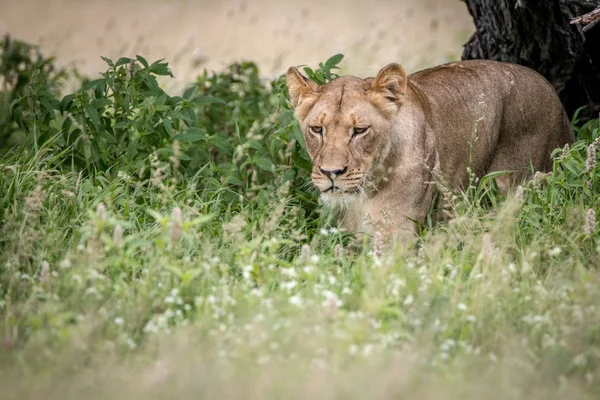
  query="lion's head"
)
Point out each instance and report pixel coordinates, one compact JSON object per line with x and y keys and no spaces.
{"x":346,"y":125}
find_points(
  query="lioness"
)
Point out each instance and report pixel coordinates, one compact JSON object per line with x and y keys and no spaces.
{"x":375,"y":143}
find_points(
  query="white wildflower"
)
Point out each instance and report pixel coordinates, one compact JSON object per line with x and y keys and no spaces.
{"x":131,"y":343}
{"x":66,"y":263}
{"x":247,"y":271}
{"x":555,"y":251}
{"x":289,"y":285}
{"x":296,"y":301}
{"x":289,"y":272}
{"x":367,"y":349}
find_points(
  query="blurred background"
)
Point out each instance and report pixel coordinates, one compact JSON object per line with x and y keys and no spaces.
{"x":196,"y":34}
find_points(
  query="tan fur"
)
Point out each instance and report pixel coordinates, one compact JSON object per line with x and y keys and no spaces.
{"x":486,"y":115}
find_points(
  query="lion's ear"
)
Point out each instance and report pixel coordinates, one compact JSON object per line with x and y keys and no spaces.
{"x":299,"y":87}
{"x":390,"y":82}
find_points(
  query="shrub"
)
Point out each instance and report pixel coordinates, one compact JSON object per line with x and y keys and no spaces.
{"x":23,"y":66}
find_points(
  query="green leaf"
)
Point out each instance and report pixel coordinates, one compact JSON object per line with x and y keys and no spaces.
{"x":234,"y":180}
{"x":142,"y":60}
{"x":66,"y":102}
{"x":191,"y":114}
{"x":123,"y":61}
{"x":48,"y":108}
{"x":121,"y":125}
{"x":255,"y":144}
{"x":151,"y":82}
{"x":189,"y":92}
{"x":160,"y":68}
{"x":55,"y":103}
{"x":161,"y":107}
{"x":222,"y":144}
{"x":309,"y":72}
{"x":168,"y":127}
{"x":93,"y":115}
{"x":298,"y":136}
{"x":161,"y":100}
{"x":101,"y":144}
{"x":334,"y":60}
{"x":66,"y":125}
{"x":101,"y":103}
{"x":263,"y":163}
{"x":289,"y":174}
{"x":184,"y":157}
{"x":180,"y":116}
{"x":93,"y":84}
{"x":18,"y":116}
{"x":99,"y":90}
{"x":108,"y":61}
{"x":302,"y":163}
{"x":191,"y":135}
{"x":207,"y":99}
{"x":15,"y":102}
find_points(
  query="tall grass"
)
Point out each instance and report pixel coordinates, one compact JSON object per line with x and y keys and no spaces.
{"x":205,"y":270}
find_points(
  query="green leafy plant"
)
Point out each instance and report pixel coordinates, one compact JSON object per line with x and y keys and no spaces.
{"x":324,"y":73}
{"x":23,"y":70}
{"x":115,"y":122}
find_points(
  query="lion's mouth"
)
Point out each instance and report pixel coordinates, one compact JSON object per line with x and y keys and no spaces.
{"x":332,"y":189}
{"x":337,"y":189}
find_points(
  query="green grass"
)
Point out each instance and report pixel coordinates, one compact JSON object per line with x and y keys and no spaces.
{"x":205,"y":271}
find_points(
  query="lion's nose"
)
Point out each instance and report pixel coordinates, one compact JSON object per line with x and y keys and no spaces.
{"x":333,"y":172}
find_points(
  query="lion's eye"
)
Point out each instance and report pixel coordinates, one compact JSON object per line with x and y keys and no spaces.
{"x":317,"y":129}
{"x":359,"y":130}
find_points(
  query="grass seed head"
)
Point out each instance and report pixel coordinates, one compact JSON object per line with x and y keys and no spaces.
{"x":590,"y":222}
{"x":590,"y":163}
{"x":175,"y":224}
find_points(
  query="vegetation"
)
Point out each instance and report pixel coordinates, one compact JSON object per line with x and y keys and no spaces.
{"x":160,"y":246}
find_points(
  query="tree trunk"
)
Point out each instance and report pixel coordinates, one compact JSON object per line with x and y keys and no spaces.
{"x":539,"y":35}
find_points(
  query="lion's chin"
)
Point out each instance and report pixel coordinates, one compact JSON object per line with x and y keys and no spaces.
{"x":338,"y":198}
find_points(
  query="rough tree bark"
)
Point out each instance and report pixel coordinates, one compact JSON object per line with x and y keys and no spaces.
{"x":539,"y":34}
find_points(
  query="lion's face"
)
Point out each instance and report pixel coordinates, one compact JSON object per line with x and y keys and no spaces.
{"x":346,"y":125}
